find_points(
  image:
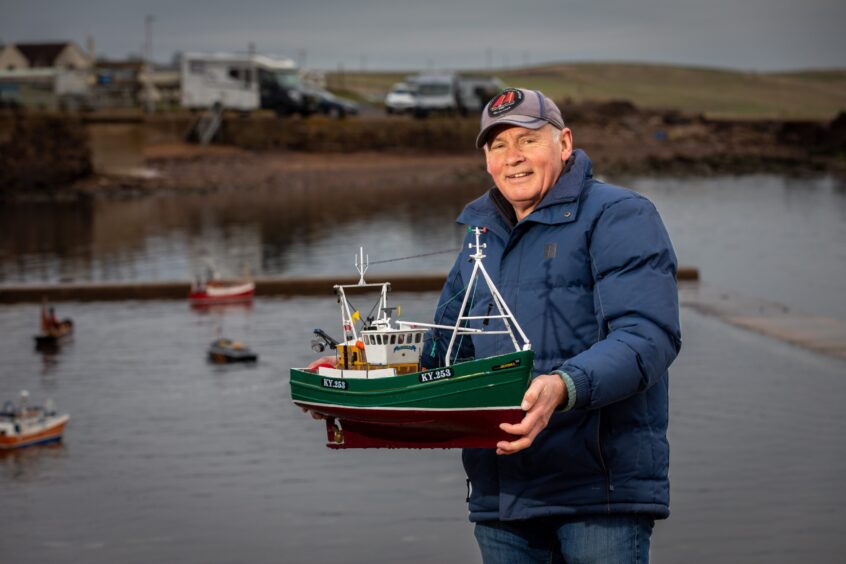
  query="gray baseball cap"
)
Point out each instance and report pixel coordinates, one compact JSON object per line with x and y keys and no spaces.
{"x":521,"y":107}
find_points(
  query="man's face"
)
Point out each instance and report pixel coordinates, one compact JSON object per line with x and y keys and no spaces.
{"x":526,"y":163}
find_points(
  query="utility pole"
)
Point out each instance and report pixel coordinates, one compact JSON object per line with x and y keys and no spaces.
{"x":149,"y":95}
{"x":148,"y":40}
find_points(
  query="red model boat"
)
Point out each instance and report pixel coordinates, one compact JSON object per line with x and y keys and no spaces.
{"x":222,"y":292}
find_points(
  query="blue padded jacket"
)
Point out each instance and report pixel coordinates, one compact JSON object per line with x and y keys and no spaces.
{"x":590,"y":275}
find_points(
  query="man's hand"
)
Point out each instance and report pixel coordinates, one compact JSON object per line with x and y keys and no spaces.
{"x":545,"y":393}
{"x":320,"y":361}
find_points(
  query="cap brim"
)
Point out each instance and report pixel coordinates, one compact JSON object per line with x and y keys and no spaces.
{"x":528,"y":122}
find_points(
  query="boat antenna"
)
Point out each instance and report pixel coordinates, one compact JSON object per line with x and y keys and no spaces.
{"x":361,"y":264}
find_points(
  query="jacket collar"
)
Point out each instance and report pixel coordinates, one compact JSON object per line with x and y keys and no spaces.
{"x":558,"y":206}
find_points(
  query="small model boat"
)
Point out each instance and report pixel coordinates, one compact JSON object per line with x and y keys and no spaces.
{"x":53,"y":332}
{"x":376,"y":395}
{"x":216,"y":291}
{"x":23,"y":425}
{"x":223,"y":351}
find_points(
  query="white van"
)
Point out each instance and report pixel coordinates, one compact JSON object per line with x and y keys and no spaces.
{"x":436,"y":94}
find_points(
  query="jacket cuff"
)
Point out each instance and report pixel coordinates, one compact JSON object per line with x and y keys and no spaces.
{"x":571,"y":391}
{"x":581,"y":383}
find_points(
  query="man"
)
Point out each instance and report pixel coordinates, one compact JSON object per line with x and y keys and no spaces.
{"x":589,"y":271}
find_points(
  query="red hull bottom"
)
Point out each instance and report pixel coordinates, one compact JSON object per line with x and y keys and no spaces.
{"x":348,"y":427}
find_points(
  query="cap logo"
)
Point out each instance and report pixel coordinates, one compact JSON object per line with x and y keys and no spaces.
{"x":505,"y":102}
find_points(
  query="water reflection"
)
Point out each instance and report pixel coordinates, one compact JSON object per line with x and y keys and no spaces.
{"x":221,"y":309}
{"x":27,"y":464}
{"x":772,"y":237}
{"x":300,"y":230}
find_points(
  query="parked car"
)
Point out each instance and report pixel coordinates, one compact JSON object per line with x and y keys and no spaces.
{"x":331,"y":105}
{"x":401,"y":98}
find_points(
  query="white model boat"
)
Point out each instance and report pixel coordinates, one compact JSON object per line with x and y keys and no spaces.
{"x":23,"y":425}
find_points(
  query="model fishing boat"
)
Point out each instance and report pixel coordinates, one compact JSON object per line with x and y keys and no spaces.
{"x":53,"y":332}
{"x":213,"y":290}
{"x":376,"y":395}
{"x":223,"y":351}
{"x":24,"y":425}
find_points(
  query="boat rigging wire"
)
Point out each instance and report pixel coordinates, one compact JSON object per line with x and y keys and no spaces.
{"x":417,"y":256}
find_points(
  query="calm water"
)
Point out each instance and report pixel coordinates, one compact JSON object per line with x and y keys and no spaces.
{"x":168,"y":458}
{"x":766,"y":236}
{"x":772,"y":237}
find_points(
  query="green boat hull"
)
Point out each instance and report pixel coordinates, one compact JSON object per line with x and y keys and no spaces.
{"x":451,"y":407}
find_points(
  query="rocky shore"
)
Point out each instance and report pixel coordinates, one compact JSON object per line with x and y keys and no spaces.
{"x":39,"y":153}
{"x":49,"y":157}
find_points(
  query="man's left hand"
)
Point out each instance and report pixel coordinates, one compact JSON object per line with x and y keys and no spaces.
{"x":544,"y":395}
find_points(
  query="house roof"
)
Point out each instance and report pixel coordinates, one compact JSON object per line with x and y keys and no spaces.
{"x":41,"y":54}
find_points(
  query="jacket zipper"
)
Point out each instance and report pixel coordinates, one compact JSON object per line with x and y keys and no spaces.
{"x":609,"y":487}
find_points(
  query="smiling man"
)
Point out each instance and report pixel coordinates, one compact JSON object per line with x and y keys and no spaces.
{"x":589,"y":271}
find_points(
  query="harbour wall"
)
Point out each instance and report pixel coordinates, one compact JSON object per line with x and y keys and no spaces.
{"x":267,"y":286}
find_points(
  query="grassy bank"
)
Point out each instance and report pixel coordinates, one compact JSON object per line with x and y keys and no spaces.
{"x":716,"y":93}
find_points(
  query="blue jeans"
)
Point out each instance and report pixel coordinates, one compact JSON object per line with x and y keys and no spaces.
{"x":613,"y":539}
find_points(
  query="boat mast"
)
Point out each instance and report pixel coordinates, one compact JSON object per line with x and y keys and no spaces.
{"x":362,"y":261}
{"x":361,"y":265}
{"x":504,"y":313}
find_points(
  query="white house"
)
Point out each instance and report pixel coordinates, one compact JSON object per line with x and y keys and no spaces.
{"x":44,"y":75}
{"x":23,"y":56}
